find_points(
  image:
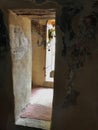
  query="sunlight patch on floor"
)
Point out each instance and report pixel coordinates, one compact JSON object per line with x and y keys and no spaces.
{"x":42,"y":96}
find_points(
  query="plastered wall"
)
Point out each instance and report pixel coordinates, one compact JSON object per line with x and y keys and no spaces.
{"x":20,"y":42}
{"x":39,"y":54}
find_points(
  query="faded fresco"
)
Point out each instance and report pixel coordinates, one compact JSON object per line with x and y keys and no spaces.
{"x":19,"y":42}
{"x":78,"y":30}
{"x":41,"y":30}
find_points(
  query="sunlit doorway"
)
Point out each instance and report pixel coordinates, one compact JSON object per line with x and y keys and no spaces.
{"x":39,"y":101}
{"x":50,"y":50}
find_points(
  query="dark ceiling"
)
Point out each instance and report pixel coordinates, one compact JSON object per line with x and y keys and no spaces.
{"x":36,"y":13}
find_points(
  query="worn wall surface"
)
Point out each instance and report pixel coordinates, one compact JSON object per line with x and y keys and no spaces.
{"x":80,"y":112}
{"x":75,"y":87}
{"x":20,"y":42}
{"x":39,"y":53}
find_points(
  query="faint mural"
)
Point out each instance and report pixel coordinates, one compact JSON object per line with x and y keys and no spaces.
{"x":41,"y":30}
{"x":69,"y":11}
{"x":87,"y":29}
{"x":71,"y":97}
{"x":19,"y":42}
{"x":76,"y":45}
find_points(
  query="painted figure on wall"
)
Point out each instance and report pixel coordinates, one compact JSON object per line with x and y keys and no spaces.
{"x":76,"y":43}
{"x":88,"y":27}
{"x":41,"y":30}
{"x":68,"y":12}
{"x":66,"y":18}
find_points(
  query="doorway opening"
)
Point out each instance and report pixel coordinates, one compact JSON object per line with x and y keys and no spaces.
{"x":50,"y":50}
{"x":34,"y":92}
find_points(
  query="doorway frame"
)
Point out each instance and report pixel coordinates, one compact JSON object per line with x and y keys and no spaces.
{"x":14,"y":110}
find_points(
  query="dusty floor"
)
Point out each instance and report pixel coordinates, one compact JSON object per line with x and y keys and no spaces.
{"x":43,"y":97}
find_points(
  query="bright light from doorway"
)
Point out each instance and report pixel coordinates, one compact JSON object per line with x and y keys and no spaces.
{"x":50,"y":50}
